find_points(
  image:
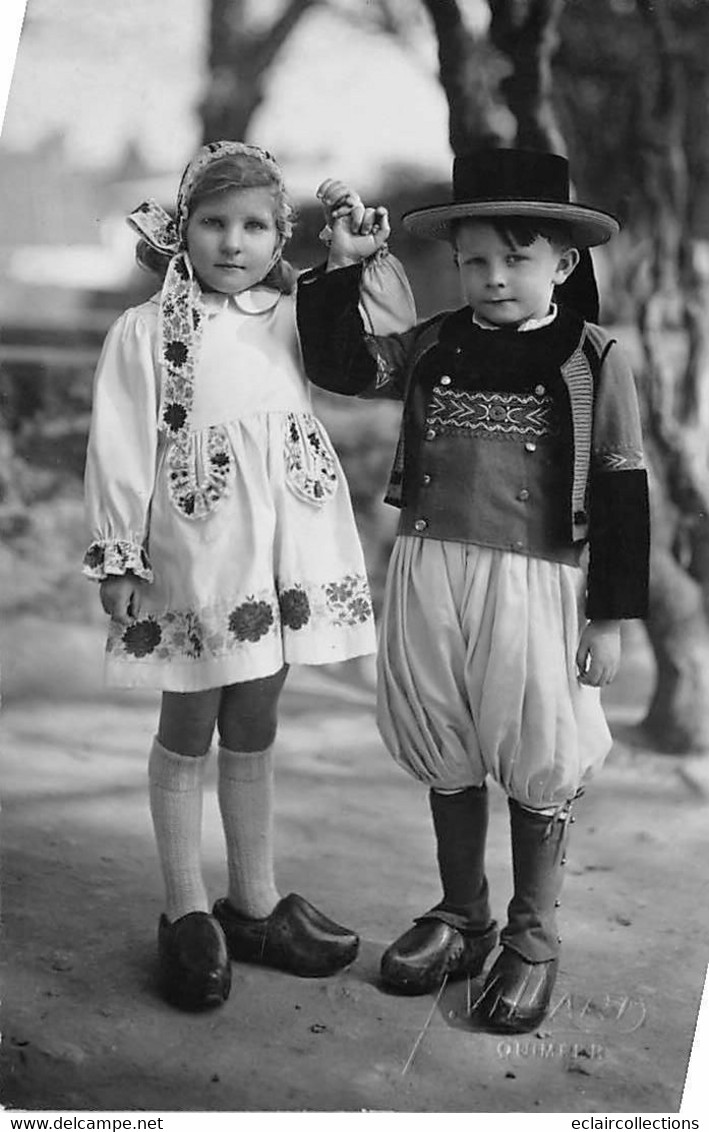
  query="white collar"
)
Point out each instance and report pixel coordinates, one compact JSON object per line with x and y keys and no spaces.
{"x":528,"y":324}
{"x":255,"y":300}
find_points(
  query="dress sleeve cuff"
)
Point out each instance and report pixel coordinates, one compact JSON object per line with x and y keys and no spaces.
{"x":114,"y":558}
{"x":386,"y":301}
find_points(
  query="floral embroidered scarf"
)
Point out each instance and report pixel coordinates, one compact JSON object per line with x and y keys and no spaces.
{"x":181,"y":305}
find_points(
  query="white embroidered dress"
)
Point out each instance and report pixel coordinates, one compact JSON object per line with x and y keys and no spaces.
{"x":244,"y":527}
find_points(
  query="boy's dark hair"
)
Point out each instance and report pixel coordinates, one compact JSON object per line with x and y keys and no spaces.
{"x":521,"y":231}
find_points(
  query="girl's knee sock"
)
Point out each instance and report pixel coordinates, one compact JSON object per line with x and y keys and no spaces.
{"x":176,"y":809}
{"x":246,"y":802}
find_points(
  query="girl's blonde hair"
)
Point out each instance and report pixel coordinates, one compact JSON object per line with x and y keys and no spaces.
{"x":235,"y":171}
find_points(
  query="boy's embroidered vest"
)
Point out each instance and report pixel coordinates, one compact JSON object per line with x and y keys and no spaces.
{"x":579,"y":372}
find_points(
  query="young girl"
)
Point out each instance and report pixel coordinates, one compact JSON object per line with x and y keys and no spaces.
{"x":520,"y":446}
{"x":225,"y":547}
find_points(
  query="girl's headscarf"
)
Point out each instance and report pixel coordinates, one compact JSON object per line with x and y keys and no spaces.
{"x":182,"y":308}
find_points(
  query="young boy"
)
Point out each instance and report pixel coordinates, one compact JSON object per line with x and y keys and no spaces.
{"x":520,"y":446}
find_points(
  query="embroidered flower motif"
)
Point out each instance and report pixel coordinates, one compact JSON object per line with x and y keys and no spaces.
{"x":197,"y":485}
{"x":177,"y":353}
{"x":338,"y":592}
{"x":180,"y":332}
{"x":349,"y":600}
{"x":310,"y":464}
{"x":181,"y":269}
{"x":188,"y":635}
{"x":360,"y":609}
{"x":294,"y":607}
{"x":174,"y":416}
{"x":142,"y":637}
{"x":251,"y":620}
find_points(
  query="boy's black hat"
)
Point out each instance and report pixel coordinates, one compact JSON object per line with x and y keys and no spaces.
{"x":513,"y":182}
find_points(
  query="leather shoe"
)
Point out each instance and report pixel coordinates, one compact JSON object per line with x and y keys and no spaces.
{"x":194,"y":963}
{"x":516,"y":994}
{"x":419,"y":960}
{"x":296,"y":937}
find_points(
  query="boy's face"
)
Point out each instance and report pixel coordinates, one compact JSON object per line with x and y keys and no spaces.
{"x":504,"y":283}
{"x":232,"y":238}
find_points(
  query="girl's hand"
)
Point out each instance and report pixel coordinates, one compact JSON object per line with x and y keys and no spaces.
{"x":339,"y":200}
{"x":598,"y":654}
{"x":355,"y":232}
{"x":121,"y":597}
{"x":348,"y":247}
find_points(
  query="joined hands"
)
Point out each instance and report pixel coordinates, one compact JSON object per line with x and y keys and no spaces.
{"x":354,"y":231}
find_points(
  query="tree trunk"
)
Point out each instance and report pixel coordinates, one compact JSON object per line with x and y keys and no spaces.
{"x":240,"y":54}
{"x":673,"y":321}
{"x":469,"y":77}
{"x":526,"y":32}
{"x":677,"y":720}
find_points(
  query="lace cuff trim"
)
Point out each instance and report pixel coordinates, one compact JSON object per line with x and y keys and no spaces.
{"x":111,"y":557}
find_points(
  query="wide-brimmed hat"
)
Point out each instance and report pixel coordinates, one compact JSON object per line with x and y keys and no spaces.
{"x":513,"y":182}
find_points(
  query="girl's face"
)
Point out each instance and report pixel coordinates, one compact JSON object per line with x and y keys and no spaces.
{"x":506,"y":285}
{"x":231,"y":239}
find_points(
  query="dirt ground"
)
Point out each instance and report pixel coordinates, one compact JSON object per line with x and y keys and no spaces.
{"x":84,"y":1030}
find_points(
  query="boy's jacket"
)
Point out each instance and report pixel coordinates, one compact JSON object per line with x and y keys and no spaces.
{"x":603,"y":490}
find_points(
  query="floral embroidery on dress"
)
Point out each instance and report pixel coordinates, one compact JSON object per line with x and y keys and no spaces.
{"x":217,"y":632}
{"x":310,"y":462}
{"x":295,"y":607}
{"x":142,"y":637}
{"x":198,"y":481}
{"x":349,"y":600}
{"x":251,"y":620}
{"x":108,"y":557}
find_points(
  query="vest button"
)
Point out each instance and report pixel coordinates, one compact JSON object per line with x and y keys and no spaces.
{"x":430,"y":434}
{"x":530,"y":446}
{"x":523,"y":495}
{"x":420,"y":525}
{"x":540,"y":390}
{"x":445,"y":380}
{"x":425,"y":479}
